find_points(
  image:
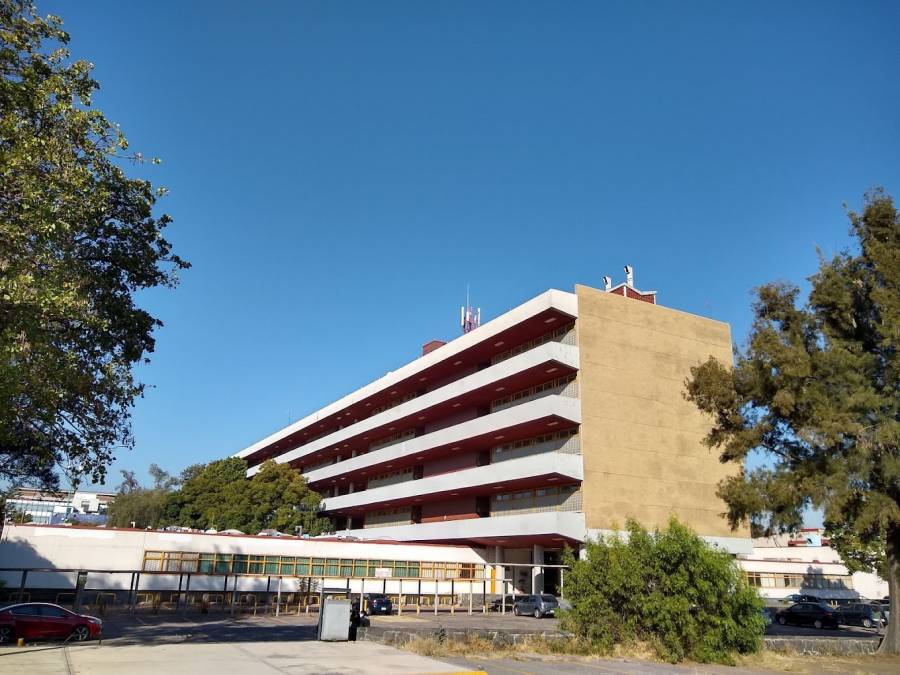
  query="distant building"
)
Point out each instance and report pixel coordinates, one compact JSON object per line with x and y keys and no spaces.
{"x":804,"y":562}
{"x":45,"y":507}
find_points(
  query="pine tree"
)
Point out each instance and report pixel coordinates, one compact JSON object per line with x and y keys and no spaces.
{"x":816,"y":390}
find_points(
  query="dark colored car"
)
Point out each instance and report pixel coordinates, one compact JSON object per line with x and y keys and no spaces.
{"x":497,"y":605}
{"x":378,"y":603}
{"x":862,"y":614}
{"x":809,"y":614}
{"x":801,"y":597}
{"x":42,"y":620}
{"x":536,"y":605}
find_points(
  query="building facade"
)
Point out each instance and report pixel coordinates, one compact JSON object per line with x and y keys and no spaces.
{"x":554,"y":422}
{"x":44,"y":507}
{"x":118,"y":561}
{"x":804,"y":562}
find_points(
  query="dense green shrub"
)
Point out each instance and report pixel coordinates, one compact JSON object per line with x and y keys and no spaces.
{"x":667,"y":588}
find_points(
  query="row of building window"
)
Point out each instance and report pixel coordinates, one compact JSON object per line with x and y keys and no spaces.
{"x":562,"y":441}
{"x":790,"y":580}
{"x":389,"y":517}
{"x":392,"y":439}
{"x":390,"y":478}
{"x":563,"y":334}
{"x":234,"y":563}
{"x":393,"y":404}
{"x":565,"y":385}
{"x":538,"y":500}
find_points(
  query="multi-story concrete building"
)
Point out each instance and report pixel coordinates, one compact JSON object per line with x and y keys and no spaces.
{"x":553,"y":422}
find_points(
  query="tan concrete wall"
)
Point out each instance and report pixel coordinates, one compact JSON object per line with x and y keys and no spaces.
{"x":641,"y":441}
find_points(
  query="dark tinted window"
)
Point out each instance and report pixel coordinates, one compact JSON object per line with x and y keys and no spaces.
{"x":548,"y":598}
{"x":58,"y":612}
{"x":25,"y":610}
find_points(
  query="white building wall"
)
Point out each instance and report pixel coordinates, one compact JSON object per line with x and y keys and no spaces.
{"x":110,"y":549}
{"x":809,"y":561}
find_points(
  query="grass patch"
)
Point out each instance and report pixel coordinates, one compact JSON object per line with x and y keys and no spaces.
{"x":573,"y":650}
{"x":794,"y":662}
{"x":535,"y":647}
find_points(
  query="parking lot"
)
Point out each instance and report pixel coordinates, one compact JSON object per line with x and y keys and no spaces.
{"x":218,"y":645}
{"x":286,"y":644}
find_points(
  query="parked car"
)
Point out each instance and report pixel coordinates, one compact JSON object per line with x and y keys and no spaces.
{"x":497,"y":605}
{"x":536,"y":605}
{"x":378,"y":603}
{"x":794,"y":598}
{"x":38,"y":620}
{"x":862,"y":614}
{"x":809,"y":614}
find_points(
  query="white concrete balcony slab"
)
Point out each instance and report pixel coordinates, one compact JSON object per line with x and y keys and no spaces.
{"x":548,"y":463}
{"x":568,"y":524}
{"x":563,"y":407}
{"x":562,"y":301}
{"x":546,"y":353}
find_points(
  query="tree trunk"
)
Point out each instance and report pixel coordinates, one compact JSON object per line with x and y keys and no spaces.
{"x":891,"y":642}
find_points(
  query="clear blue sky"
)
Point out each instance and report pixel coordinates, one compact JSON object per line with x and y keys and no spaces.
{"x":339,"y":171}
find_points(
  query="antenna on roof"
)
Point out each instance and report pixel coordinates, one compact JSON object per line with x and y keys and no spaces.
{"x":469,"y":317}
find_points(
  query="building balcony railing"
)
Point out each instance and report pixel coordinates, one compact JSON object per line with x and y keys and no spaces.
{"x":566,"y":442}
{"x":563,"y":335}
{"x":563,"y":386}
{"x":568,"y":524}
{"x":538,"y":500}
{"x":565,"y":466}
{"x":566,"y":355}
{"x":562,"y":407}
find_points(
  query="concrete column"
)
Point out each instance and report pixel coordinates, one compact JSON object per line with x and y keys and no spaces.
{"x":499,"y":571}
{"x":537,"y":573}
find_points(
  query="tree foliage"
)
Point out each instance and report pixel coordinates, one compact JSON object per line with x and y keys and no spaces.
{"x":140,"y":507}
{"x":667,"y":588}
{"x":78,"y":238}
{"x":219,"y":496}
{"x":204,"y":497}
{"x":817,"y":392}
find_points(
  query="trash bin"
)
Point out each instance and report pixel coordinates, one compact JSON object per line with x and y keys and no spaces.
{"x":334,"y":620}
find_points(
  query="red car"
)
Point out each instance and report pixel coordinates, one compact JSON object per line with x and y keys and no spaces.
{"x":35,"y":620}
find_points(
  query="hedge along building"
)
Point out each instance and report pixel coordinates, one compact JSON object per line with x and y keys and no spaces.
{"x":554,"y":422}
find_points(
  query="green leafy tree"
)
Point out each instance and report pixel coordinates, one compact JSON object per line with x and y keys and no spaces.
{"x":817,"y":392}
{"x":204,"y":494}
{"x":136,"y":506}
{"x":129,"y":482}
{"x":669,"y":589}
{"x":162,"y":479}
{"x":220,"y":496}
{"x":276,"y":497}
{"x":78,"y":239}
{"x":140,"y":508}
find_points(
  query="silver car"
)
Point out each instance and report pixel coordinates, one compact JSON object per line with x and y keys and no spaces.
{"x":536,"y":605}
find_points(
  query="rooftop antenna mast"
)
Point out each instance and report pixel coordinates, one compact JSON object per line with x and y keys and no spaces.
{"x":469,"y":317}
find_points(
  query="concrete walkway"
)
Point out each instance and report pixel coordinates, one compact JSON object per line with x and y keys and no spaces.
{"x":245,"y":658}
